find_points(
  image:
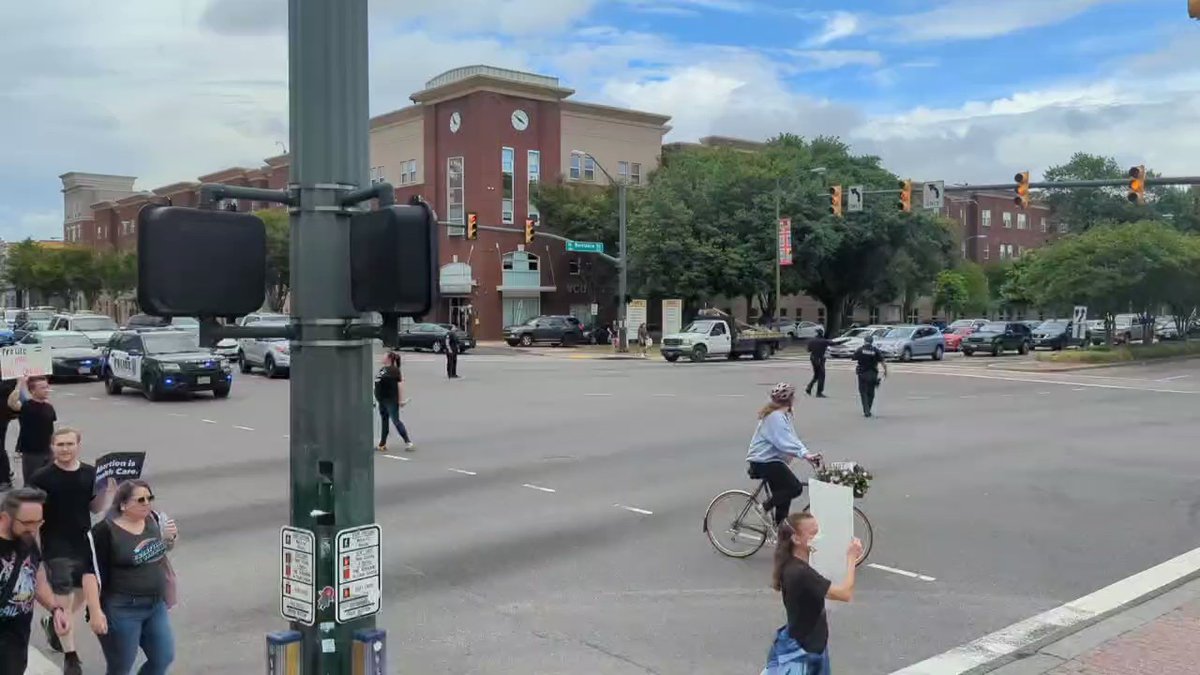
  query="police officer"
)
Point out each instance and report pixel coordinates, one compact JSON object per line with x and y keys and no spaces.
{"x":816,"y":356}
{"x":868,"y":359}
{"x":450,"y":348}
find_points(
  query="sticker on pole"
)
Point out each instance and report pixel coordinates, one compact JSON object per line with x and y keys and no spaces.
{"x":297,"y":575}
{"x":356,"y":568}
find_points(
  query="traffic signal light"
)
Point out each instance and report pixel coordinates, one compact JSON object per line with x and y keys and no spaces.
{"x":1137,"y":184}
{"x":529,"y":225}
{"x":905,"y":203}
{"x":472,"y":226}
{"x":835,"y":200}
{"x":1022,"y":189}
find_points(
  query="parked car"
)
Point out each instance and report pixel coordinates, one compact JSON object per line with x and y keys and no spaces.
{"x":1126,"y":329}
{"x":98,"y":327}
{"x":429,"y":336}
{"x":997,"y":337}
{"x":955,"y":337}
{"x":798,"y":330}
{"x":973,"y":324}
{"x":715,"y":333}
{"x":553,"y":330}
{"x":465,"y":339}
{"x":1055,"y":334}
{"x":847,"y":343}
{"x":908,"y":342}
{"x":273,"y":355}
{"x":72,"y":353}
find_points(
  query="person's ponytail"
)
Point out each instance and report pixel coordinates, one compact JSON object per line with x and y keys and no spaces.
{"x":784,"y":550}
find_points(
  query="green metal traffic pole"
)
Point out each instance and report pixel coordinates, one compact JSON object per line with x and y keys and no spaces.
{"x":332,"y":460}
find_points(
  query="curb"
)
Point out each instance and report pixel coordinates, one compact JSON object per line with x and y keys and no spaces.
{"x":1023,"y":639}
{"x":1068,"y":367}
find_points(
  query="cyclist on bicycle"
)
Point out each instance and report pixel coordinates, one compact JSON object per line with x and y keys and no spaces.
{"x":774,"y":446}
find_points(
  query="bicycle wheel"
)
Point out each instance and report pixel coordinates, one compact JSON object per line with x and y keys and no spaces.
{"x":734,"y":526}
{"x":863,"y":530}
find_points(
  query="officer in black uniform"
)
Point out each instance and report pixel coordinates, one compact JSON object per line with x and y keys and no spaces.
{"x":450,"y":348}
{"x":868,"y":359}
{"x":816,"y":356}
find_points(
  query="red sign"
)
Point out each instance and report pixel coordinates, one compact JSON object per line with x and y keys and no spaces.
{"x":785,"y":241}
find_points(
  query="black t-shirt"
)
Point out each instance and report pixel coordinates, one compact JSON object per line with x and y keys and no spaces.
{"x":37,"y":425}
{"x":804,"y":599}
{"x":68,"y":509}
{"x":817,"y":347}
{"x":387,"y":384}
{"x":16,"y":608}
{"x":868,"y":359}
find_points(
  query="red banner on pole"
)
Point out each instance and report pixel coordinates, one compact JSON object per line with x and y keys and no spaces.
{"x":785,"y":241}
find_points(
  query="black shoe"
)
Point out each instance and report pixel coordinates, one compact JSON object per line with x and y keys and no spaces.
{"x":808,"y":392}
{"x":867,"y":414}
{"x":51,"y":636}
{"x":822,"y":396}
{"x":72,"y":665}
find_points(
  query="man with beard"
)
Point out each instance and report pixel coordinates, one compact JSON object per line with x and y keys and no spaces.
{"x":22,"y":578}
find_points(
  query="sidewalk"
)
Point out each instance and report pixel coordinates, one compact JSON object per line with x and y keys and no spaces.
{"x":1158,"y":637}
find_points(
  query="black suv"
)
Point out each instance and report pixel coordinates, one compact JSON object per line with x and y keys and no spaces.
{"x":997,"y":337}
{"x":554,"y":330}
{"x":162,"y":361}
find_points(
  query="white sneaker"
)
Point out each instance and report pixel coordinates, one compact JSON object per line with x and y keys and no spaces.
{"x":408,"y":447}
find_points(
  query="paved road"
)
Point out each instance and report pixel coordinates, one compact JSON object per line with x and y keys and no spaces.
{"x":1016,"y":492}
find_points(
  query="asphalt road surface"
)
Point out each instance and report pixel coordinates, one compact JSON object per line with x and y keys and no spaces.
{"x":549,"y":520}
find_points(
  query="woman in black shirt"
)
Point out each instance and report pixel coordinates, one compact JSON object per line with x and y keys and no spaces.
{"x":805,"y":638}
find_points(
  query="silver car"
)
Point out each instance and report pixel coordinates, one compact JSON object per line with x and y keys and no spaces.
{"x":909,"y":342}
{"x":843,"y":347}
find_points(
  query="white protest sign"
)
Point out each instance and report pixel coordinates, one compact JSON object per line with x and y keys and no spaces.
{"x":24,"y":361}
{"x":833,"y":506}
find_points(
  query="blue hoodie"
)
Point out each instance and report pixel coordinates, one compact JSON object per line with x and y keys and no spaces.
{"x":775,"y":439}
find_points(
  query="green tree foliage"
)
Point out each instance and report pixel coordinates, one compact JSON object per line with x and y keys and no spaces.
{"x":584,"y":213}
{"x":950,"y":292}
{"x":117,"y":273}
{"x":65,"y":272}
{"x":278,"y":256}
{"x":979,"y":298}
{"x":1083,"y":209}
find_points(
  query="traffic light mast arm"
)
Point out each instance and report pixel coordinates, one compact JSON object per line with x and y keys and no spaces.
{"x":211,"y":193}
{"x":548,"y":235}
{"x":384,"y":192}
{"x":1066,"y":184}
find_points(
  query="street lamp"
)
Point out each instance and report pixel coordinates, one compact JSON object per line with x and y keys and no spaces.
{"x":622,"y":259}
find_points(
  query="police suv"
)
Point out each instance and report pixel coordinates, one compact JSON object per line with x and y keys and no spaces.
{"x":159,"y":362}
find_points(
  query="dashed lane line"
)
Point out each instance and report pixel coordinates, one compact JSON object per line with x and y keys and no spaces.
{"x":634,"y":509}
{"x":903,"y":573}
{"x":209,"y":421}
{"x":177,"y":414}
{"x":463,"y":472}
{"x":395,"y":457}
{"x":238,"y":426}
{"x":539,"y":488}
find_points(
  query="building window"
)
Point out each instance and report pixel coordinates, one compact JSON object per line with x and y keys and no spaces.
{"x":1063,"y":228}
{"x":411,"y":171}
{"x":573,"y":267}
{"x":623,"y":172}
{"x":589,"y":169}
{"x":913,"y":315}
{"x":985,"y":218}
{"x":1045,"y":227}
{"x":1007,"y":220}
{"x":873,"y":315}
{"x":376,"y":175}
{"x":783,"y":312}
{"x":99,"y":231}
{"x":635,"y":173}
{"x":533,"y":169}
{"x":454,"y":191}
{"x":987,"y":251}
{"x":507,"y":161}
{"x":820,"y":315}
{"x":1021,"y":224}
{"x":576,"y":166}
{"x":1014,"y":250}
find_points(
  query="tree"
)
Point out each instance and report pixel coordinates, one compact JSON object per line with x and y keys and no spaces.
{"x":585,"y":213}
{"x":117,"y":273}
{"x":950,"y":292}
{"x":278,"y":225}
{"x":20,"y":261}
{"x":979,"y":298}
{"x":1083,"y":209}
{"x":80,"y":275}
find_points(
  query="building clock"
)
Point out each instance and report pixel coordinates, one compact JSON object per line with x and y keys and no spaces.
{"x":520,"y":120}
{"x":455,"y":122}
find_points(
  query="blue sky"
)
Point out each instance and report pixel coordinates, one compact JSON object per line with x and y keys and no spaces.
{"x":959,"y":90}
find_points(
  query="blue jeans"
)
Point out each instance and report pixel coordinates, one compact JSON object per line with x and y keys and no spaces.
{"x":135,"y":622}
{"x":390,"y":410}
{"x":787,"y":657}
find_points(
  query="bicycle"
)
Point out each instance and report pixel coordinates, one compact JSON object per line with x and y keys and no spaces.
{"x":751,"y":524}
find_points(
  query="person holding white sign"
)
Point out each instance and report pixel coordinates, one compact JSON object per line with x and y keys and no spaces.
{"x":774,"y":446}
{"x":31,"y":401}
{"x":805,"y":638}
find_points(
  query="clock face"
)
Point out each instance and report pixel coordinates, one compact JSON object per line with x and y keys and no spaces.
{"x":520,"y":120}
{"x":455,"y":122}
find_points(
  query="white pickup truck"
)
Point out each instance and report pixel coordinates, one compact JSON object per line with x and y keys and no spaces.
{"x":714,"y":333}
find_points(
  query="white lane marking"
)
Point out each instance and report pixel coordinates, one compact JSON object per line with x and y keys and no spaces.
{"x":93,"y":398}
{"x":634,"y":509}
{"x":665,"y":395}
{"x":1079,"y":389}
{"x":209,"y":421}
{"x":238,"y":426}
{"x":1009,"y":640}
{"x":286,"y":436}
{"x":69,"y":393}
{"x":463,"y":472}
{"x":1043,"y":393}
{"x":539,"y":487}
{"x":917,"y":398}
{"x":597,"y":394}
{"x":903,"y":573}
{"x":1031,"y":380}
{"x":732,"y":395}
{"x":969,"y":396}
{"x":402,"y":459}
{"x":1161,"y":379}
{"x":177,"y":414}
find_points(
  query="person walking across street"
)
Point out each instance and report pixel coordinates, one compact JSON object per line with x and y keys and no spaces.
{"x":643,"y":338}
{"x":7,"y":415}
{"x":868,"y":358}
{"x":129,"y":582}
{"x":804,"y":641}
{"x":22,"y":577}
{"x":389,"y":396}
{"x":72,"y":496}
{"x":817,"y":347}
{"x":774,"y":446}
{"x":451,"y":348}
{"x":31,"y":401}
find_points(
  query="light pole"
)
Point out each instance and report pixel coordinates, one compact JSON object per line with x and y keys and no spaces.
{"x":622,"y":259}
{"x":778,"y":217}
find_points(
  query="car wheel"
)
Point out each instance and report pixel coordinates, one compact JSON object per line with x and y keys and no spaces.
{"x":938,"y":352}
{"x":671,"y":357}
{"x":243,"y":364}
{"x":110,"y":384}
{"x":1127,"y":338}
{"x":997,"y":350}
{"x":968,"y":352}
{"x":269,"y":367}
{"x":527,"y":340}
{"x":1023,"y":349}
{"x":221,"y":392}
{"x":906,"y":355}
{"x":699,"y":353}
{"x":762,"y":352}
{"x":152,"y":390}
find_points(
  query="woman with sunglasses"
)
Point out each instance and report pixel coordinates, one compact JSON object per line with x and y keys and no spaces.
{"x":127,"y":586}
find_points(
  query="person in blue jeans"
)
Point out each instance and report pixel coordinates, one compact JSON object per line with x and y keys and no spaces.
{"x":128,"y":585}
{"x":389,"y":395}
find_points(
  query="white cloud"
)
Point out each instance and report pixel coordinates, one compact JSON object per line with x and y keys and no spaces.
{"x":976,"y":19}
{"x":837,"y":26}
{"x":44,"y":224}
{"x":690,"y":7}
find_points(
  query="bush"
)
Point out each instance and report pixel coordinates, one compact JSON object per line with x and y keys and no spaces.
{"x":1162,"y":350}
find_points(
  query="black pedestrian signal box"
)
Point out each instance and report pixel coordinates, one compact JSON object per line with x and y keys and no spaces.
{"x":393,"y":260}
{"x":200,"y":262}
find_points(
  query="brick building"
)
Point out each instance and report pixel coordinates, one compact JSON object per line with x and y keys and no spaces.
{"x":475,"y":140}
{"x":994,"y":228}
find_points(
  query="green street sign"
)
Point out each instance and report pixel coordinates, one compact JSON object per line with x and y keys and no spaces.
{"x":585,"y":246}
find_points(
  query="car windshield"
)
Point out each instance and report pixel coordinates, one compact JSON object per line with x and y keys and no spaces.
{"x":65,"y":341}
{"x":532,"y":322}
{"x":993,"y":328}
{"x":1052,"y":325}
{"x":857,"y":333}
{"x":94,"y":323}
{"x":170,"y":343}
{"x":900,"y":332}
{"x":39,"y":314}
{"x":962,"y":323}
{"x":37,"y":324}
{"x":699,"y":327}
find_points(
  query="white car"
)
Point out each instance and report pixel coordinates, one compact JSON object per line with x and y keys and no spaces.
{"x":799,"y":330}
{"x":273,"y":355}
